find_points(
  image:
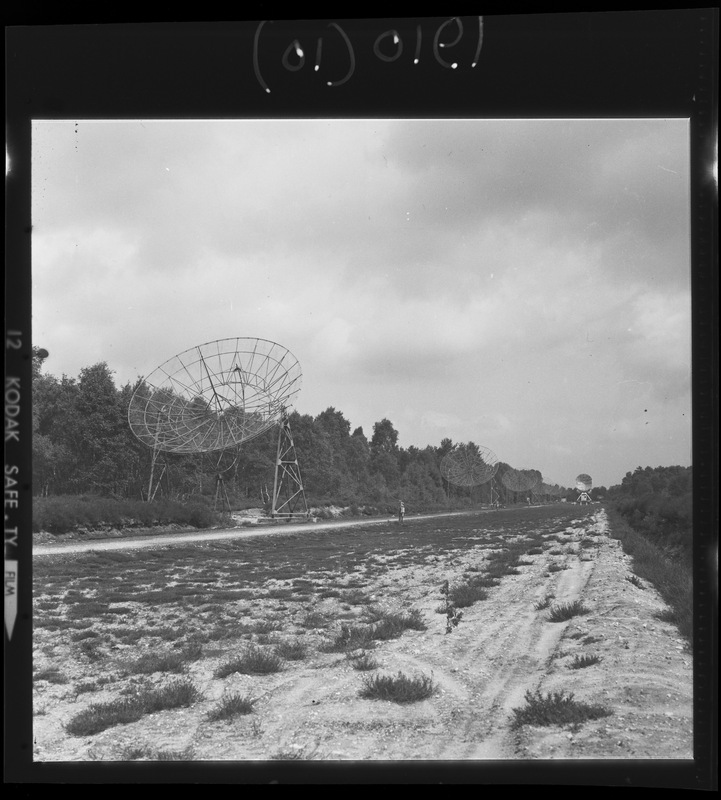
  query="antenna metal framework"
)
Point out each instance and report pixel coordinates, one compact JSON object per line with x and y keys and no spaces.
{"x":470,"y":465}
{"x":520,"y":480}
{"x":217,"y":396}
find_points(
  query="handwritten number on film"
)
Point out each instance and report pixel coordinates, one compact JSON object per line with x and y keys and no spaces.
{"x":388,"y":47}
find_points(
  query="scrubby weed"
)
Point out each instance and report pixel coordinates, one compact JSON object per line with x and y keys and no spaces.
{"x":299,"y":754}
{"x":350,"y":637}
{"x":100,"y":716}
{"x":635,"y":580}
{"x":146,"y":753}
{"x":453,"y":614}
{"x":51,"y":675}
{"x":363,"y":662}
{"x":254,"y":661}
{"x":314,"y":619}
{"x":291,"y":651}
{"x":555,"y":708}
{"x":566,"y":611}
{"x":230,"y":706}
{"x":582,"y":661}
{"x":398,"y":688}
{"x":383,"y":625}
{"x":545,"y":603}
{"x":391,"y":625}
{"x":157,"y":662}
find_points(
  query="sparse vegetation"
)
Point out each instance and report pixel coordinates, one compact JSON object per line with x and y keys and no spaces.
{"x":291,"y":651}
{"x":566,"y":611}
{"x":583,"y":661}
{"x":398,"y":688}
{"x":555,"y":708}
{"x":51,"y":675}
{"x":544,"y":603}
{"x":230,"y":706}
{"x":100,"y":716}
{"x":363,"y":662}
{"x":254,"y":661}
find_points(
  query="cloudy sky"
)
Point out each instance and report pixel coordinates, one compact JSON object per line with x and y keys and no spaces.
{"x":521,"y":284}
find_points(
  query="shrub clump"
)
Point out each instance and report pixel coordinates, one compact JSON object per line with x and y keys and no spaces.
{"x":556,"y":708}
{"x":254,"y":661}
{"x":232,"y":705}
{"x":100,"y":716}
{"x":566,"y":611}
{"x":398,"y":688}
{"x":580,"y":662}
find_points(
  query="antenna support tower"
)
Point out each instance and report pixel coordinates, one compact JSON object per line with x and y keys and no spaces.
{"x":289,"y":500}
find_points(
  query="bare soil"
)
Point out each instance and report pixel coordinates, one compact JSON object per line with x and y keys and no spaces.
{"x":503,"y":647}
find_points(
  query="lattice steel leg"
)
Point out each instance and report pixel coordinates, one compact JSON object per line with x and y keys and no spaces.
{"x":288,"y":493}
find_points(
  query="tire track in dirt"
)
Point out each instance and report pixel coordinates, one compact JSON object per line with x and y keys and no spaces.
{"x":482,"y":669}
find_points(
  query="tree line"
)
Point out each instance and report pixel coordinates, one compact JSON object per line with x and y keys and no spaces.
{"x":658,"y":503}
{"x":83,"y":444}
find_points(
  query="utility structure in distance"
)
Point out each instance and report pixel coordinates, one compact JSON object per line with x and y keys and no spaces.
{"x":469,"y":465}
{"x":583,"y":486}
{"x":213,"y":398}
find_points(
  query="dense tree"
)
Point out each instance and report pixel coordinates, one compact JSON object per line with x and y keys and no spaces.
{"x":658,"y":502}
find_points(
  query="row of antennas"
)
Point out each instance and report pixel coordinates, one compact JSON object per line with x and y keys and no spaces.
{"x":213,"y":398}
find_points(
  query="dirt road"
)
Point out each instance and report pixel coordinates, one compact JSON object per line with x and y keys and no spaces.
{"x":61,"y":546}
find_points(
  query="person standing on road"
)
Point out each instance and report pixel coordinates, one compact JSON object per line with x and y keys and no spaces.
{"x":401,"y":512}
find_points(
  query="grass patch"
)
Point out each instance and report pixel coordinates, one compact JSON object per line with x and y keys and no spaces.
{"x":555,"y":708}
{"x":566,"y":611}
{"x":254,"y":661}
{"x":101,"y":716}
{"x":291,"y":651}
{"x":398,"y":688}
{"x":363,"y":662}
{"x":230,"y":706}
{"x":583,"y":661}
{"x":314,"y":619}
{"x":545,"y":603}
{"x":51,"y":675}
{"x":556,"y":567}
{"x":466,"y":594}
{"x":156,"y":662}
{"x":351,"y":637}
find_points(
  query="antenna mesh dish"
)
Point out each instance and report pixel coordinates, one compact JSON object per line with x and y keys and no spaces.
{"x":468,"y":465}
{"x":584,"y":482}
{"x":520,"y":480}
{"x":214,"y":396}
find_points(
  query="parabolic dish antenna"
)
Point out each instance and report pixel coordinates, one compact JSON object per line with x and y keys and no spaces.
{"x":215,"y":396}
{"x":584,"y":482}
{"x":520,"y":480}
{"x":469,"y":466}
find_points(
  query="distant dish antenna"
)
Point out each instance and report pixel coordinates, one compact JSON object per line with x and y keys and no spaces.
{"x":470,"y":465}
{"x":217,"y":396}
{"x":520,"y":480}
{"x":583,"y":485}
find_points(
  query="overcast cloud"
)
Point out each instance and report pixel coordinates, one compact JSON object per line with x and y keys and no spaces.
{"x":521,"y":284}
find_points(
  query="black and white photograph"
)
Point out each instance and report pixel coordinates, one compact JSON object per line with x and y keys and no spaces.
{"x":360,"y":439}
